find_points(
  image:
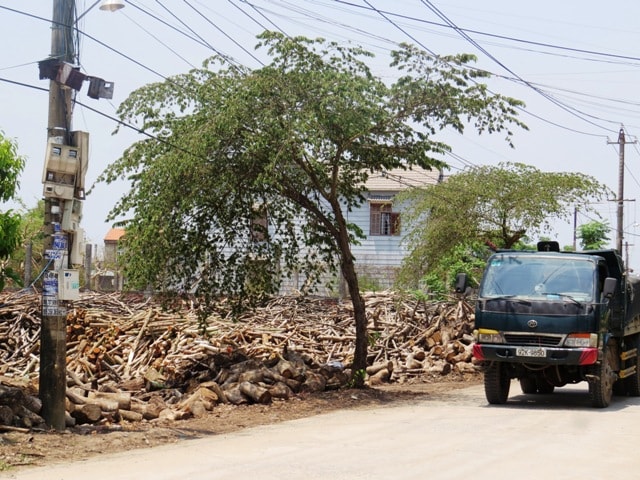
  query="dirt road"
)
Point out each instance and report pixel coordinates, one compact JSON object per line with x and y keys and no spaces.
{"x":454,"y":436}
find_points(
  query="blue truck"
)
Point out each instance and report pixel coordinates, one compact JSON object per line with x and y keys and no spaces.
{"x":549,"y":318}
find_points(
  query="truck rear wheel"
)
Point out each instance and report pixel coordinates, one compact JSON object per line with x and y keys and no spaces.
{"x":496,"y":383}
{"x":601,"y":388}
{"x":528,"y":385}
{"x":545,"y":386}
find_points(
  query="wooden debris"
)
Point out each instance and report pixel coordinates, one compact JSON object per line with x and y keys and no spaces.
{"x":131,"y":359}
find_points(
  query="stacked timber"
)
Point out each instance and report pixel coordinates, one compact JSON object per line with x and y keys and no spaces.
{"x":132,"y":359}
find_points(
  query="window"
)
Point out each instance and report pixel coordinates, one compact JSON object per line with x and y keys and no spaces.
{"x":383,"y":220}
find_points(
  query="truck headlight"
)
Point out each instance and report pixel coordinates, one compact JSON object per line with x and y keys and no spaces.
{"x":489,"y":336}
{"x":581,"y":340}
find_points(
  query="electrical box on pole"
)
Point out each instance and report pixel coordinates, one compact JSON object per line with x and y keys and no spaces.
{"x":68,"y":285}
{"x":60,"y":169}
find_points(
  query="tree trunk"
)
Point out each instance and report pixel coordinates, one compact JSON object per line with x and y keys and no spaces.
{"x":358,"y":371}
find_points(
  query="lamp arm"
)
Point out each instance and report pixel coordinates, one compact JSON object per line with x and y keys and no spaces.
{"x":87,"y":10}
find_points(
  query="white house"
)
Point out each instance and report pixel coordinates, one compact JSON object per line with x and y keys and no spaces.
{"x":380,"y":254}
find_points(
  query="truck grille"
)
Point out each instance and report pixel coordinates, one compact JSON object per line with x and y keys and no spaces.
{"x":533,"y":339}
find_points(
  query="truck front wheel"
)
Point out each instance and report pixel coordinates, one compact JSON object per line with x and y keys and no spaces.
{"x":496,"y":383}
{"x":601,"y":388}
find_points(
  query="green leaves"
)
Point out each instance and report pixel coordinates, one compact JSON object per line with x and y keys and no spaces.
{"x":11,"y":165}
{"x":499,"y":205}
{"x":298,"y":139}
{"x":9,"y":233}
{"x":593,"y":235}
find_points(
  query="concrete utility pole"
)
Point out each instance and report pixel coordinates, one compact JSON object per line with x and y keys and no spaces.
{"x":620,"y":200}
{"x":620,"y":212}
{"x":65,"y":167}
{"x":53,"y":345}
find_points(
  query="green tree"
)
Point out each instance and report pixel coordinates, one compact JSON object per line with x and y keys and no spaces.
{"x":31,"y":231}
{"x":499,"y":206}
{"x":294,"y":140}
{"x":469,"y":259}
{"x":11,"y":165}
{"x":593,"y":235}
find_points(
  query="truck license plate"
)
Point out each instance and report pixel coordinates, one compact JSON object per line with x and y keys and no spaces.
{"x":531,"y":352}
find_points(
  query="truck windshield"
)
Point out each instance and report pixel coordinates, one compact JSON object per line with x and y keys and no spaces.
{"x":522,"y":275}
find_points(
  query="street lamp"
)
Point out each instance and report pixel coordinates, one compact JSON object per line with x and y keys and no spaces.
{"x":111,"y":5}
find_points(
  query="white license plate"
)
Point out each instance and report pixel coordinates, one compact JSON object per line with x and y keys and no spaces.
{"x":531,"y":352}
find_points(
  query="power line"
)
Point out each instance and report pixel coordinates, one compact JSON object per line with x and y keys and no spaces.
{"x":106,"y":115}
{"x":386,"y":15}
{"x":161,"y":42}
{"x":568,"y":109}
{"x":503,"y":37}
{"x":259,"y":13}
{"x":224,"y":33}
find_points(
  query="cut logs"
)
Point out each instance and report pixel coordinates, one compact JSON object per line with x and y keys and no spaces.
{"x":131,"y":359}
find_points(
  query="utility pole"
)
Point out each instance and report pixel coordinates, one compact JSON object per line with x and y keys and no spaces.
{"x":65,"y":167}
{"x":53,"y":344}
{"x":620,"y":200}
{"x":575,"y":228}
{"x":620,"y":211}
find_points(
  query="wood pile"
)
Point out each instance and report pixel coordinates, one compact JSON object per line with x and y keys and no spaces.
{"x":131,"y":359}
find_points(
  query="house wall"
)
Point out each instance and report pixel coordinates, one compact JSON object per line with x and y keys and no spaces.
{"x":110,"y":249}
{"x":378,"y":258}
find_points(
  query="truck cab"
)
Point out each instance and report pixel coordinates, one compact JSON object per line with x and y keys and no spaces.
{"x":549,"y":318}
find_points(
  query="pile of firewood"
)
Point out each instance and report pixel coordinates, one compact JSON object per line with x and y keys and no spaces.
{"x":130,"y":358}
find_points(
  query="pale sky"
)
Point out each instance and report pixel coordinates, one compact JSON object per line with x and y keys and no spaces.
{"x":576,"y":64}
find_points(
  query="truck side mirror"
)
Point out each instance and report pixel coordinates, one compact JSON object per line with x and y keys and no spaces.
{"x":461,"y":283}
{"x":609,"y":288}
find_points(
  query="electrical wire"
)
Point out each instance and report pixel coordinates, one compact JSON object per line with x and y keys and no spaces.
{"x":259,"y":13}
{"x":569,"y":109}
{"x":387,"y":16}
{"x":161,"y":42}
{"x":260,"y":62}
{"x":503,"y":37}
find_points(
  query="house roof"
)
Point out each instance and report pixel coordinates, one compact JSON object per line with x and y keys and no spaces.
{"x":114,"y":235}
{"x":398,"y":179}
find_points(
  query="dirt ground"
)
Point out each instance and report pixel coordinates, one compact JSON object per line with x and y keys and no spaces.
{"x":36,"y":448}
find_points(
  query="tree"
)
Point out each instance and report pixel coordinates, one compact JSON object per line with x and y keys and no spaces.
{"x":31,"y":232}
{"x":11,"y":165}
{"x":440,"y":280}
{"x":498,"y":206}
{"x":294,"y":141}
{"x":593,"y":235}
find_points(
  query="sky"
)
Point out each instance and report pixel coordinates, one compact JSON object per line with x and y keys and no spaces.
{"x":575,"y":64}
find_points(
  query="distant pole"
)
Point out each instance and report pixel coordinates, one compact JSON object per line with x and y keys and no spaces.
{"x":53,"y":342}
{"x":620,"y":212}
{"x":620,"y":200}
{"x":575,"y":228}
{"x":88,"y":261}
{"x":28,"y":259}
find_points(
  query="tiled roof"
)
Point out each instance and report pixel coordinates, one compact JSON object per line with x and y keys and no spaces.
{"x":114,"y":235}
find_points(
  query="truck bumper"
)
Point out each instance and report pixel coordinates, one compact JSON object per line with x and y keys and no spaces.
{"x":552,"y":355}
